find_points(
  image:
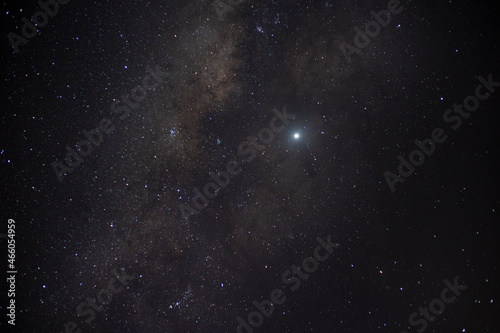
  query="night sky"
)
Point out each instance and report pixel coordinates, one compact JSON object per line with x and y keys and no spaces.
{"x":250,"y":166}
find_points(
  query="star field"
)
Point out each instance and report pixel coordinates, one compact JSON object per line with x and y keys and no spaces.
{"x":223,"y":139}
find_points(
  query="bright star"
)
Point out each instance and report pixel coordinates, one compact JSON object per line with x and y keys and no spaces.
{"x":296,"y":135}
